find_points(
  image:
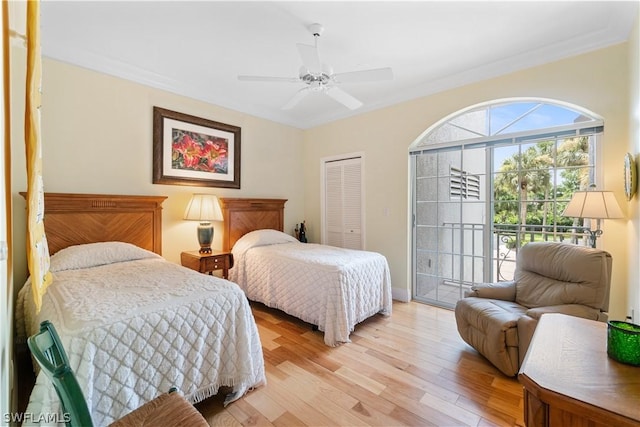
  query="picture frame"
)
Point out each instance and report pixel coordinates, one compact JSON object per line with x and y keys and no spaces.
{"x":630,"y":176}
{"x":189,"y":150}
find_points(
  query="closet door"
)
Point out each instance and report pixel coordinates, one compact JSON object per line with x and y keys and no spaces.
{"x":343,"y":203}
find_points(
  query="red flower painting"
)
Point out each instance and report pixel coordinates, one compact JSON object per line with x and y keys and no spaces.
{"x":199,"y":152}
{"x":190,"y":150}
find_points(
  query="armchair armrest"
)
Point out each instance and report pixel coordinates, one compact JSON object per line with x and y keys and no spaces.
{"x":577,"y":310}
{"x":505,"y":291}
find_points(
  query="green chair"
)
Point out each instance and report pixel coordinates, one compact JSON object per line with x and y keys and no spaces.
{"x":50,"y":355}
{"x":169,"y":409}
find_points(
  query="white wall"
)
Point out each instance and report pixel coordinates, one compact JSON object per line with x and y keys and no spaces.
{"x":597,"y":81}
{"x":97,"y":138}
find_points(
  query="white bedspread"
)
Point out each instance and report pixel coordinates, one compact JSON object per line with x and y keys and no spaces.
{"x":134,"y":329}
{"x":330,"y":287}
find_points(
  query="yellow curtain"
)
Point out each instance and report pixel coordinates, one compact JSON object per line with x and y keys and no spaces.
{"x":37,"y":249}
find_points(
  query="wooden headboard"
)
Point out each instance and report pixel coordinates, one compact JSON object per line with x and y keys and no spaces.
{"x":244,"y":215}
{"x":73,"y":219}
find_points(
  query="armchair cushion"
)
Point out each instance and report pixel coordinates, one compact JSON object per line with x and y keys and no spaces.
{"x":560,"y":273}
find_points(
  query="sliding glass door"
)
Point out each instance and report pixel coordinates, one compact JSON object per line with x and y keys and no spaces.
{"x":478,"y":199}
{"x":450,"y":231}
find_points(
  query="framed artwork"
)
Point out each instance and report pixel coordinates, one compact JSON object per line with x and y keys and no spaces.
{"x":630,"y":176}
{"x":189,"y":150}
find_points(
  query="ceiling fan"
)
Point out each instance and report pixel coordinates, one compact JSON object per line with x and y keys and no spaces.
{"x":319,"y":77}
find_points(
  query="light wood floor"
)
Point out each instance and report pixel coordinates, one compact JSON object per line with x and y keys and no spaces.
{"x":408,"y":369}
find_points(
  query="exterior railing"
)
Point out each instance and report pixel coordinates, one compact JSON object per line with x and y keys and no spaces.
{"x":465,"y":243}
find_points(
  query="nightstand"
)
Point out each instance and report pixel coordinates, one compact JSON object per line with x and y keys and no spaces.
{"x":208,"y":263}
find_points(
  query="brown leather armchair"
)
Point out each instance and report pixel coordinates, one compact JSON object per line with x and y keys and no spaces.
{"x":498,"y":319}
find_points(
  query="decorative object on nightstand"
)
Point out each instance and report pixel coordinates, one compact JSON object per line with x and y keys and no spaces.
{"x":208,"y":263}
{"x":630,"y":176}
{"x":204,"y":208}
{"x":593,"y":204}
{"x":301,"y":233}
{"x":623,"y":342}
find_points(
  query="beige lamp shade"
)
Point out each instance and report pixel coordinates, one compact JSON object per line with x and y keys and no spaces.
{"x":593,"y":204}
{"x":204,"y":208}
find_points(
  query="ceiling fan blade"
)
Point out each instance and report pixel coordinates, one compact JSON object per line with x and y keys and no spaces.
{"x":269,"y":79}
{"x":373,"y":75}
{"x":343,"y":97}
{"x":296,"y":98}
{"x":310,"y":57}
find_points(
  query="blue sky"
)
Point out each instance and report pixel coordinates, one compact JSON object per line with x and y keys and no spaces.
{"x":543,"y":117}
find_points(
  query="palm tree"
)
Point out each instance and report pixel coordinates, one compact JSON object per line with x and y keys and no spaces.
{"x":527,"y":176}
{"x":545,"y":159}
{"x":527,"y":173}
{"x":574,"y":153}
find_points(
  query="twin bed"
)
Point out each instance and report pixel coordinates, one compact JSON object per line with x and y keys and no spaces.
{"x":135,"y":325}
{"x":329,"y":287}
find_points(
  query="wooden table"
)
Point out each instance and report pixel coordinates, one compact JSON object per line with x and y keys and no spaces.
{"x":208,"y":263}
{"x":570,"y":381}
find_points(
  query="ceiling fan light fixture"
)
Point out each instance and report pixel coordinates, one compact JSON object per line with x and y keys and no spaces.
{"x":319,"y":77}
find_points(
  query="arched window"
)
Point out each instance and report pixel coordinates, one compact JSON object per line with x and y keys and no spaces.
{"x":490,"y":178}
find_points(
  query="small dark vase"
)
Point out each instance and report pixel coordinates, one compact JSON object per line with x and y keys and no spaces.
{"x":302,"y":235}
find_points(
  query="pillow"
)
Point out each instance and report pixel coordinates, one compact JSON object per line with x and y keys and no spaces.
{"x":261,"y":238}
{"x":95,"y":254}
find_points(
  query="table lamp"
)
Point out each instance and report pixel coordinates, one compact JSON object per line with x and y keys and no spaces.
{"x":596,"y":205}
{"x":204,"y":208}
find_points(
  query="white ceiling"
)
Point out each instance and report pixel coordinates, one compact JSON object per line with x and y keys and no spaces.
{"x":199,"y":48}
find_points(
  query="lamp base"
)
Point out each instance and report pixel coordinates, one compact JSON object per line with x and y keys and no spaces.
{"x":205,"y":237}
{"x":593,"y":235}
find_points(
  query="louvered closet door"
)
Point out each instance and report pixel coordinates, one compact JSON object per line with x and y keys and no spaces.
{"x":343,"y":203}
